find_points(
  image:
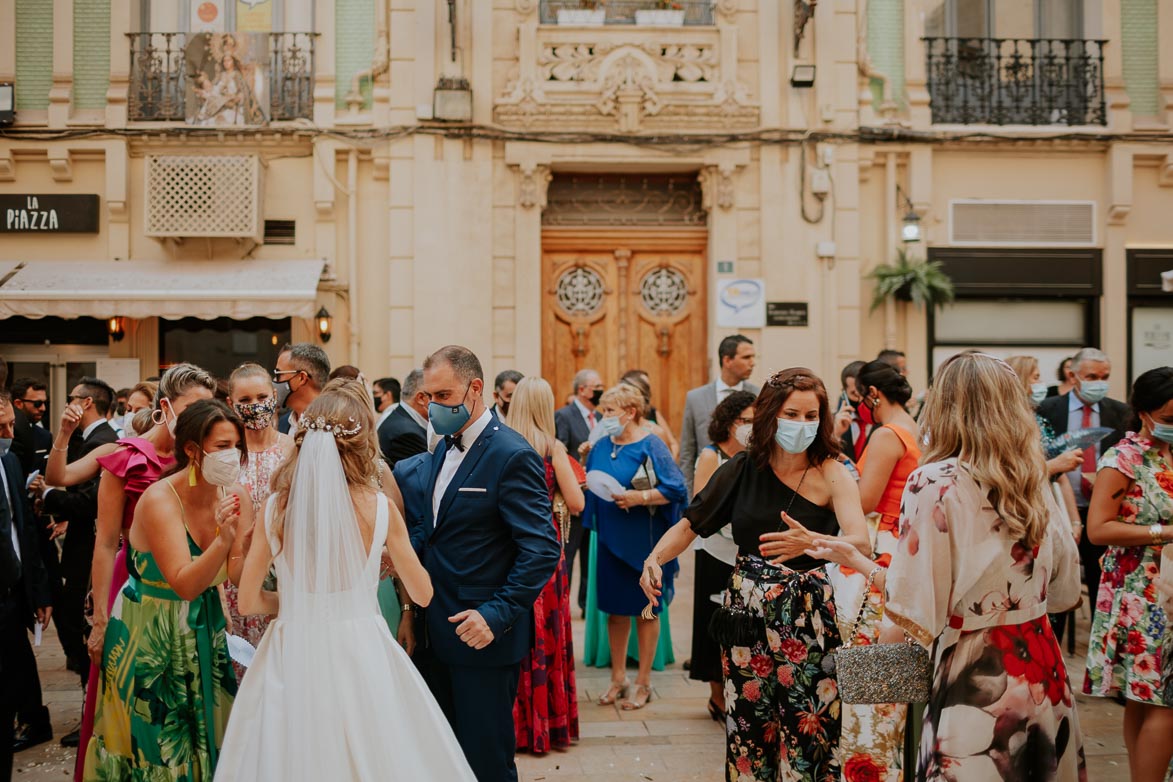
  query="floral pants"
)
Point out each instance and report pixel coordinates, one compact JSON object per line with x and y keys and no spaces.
{"x":782,"y":707}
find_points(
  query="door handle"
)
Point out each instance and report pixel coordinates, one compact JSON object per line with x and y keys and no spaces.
{"x":665,"y":341}
{"x":580,"y":334}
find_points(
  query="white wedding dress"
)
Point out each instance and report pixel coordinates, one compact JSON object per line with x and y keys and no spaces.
{"x":330,"y":695}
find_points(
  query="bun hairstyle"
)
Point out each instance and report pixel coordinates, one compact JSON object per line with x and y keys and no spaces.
{"x":886,"y":379}
{"x":1151,"y":391}
{"x":768,"y":406}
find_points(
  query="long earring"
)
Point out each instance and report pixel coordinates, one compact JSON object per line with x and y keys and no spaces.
{"x":192,"y":476}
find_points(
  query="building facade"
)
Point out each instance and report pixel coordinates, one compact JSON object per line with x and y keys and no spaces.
{"x":560,"y":184}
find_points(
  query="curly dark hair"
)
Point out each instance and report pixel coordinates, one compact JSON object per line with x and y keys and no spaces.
{"x":727,"y":413}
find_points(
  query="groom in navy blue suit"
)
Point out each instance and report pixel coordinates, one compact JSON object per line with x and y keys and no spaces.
{"x":479,"y":514}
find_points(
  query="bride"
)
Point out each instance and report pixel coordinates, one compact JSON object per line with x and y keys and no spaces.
{"x":330,"y":694}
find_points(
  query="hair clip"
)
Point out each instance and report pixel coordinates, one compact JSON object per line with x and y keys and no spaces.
{"x":320,"y":424}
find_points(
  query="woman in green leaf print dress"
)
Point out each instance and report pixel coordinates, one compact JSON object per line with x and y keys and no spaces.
{"x":169,"y":682}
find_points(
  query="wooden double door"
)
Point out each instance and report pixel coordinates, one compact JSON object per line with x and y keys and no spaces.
{"x":620,"y":300}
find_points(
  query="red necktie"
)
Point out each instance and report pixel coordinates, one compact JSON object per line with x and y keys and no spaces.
{"x":591,"y":421}
{"x":1089,"y":458}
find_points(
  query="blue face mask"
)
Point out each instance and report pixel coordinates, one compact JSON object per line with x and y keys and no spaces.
{"x":796,"y":436}
{"x":611,"y":426}
{"x":1038,"y":392}
{"x":1163,"y":432}
{"x":1092,"y":391}
{"x":447,"y":420}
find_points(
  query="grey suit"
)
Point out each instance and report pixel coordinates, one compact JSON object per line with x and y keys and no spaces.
{"x":694,"y":431}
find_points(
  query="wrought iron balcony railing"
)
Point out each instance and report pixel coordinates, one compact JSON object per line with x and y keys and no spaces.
{"x":1009,"y":81}
{"x":175,"y":78}
{"x":696,"y":12}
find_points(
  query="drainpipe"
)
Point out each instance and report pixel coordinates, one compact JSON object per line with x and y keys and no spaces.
{"x":352,"y":250}
{"x":889,"y":243}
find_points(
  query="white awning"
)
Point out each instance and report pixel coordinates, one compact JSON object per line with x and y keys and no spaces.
{"x":166,"y":289}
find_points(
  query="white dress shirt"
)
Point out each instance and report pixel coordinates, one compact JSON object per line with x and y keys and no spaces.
{"x":411,"y":412}
{"x":383,"y":415}
{"x":587,"y":415}
{"x":454,"y":456}
{"x":724,"y":390}
{"x":1074,"y":424}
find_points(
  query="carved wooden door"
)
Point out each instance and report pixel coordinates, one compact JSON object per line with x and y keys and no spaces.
{"x":616,"y":300}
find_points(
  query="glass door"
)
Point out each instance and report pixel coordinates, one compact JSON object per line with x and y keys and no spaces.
{"x":59,"y":367}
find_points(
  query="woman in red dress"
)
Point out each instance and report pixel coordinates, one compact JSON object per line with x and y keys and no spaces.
{"x":545,"y":714}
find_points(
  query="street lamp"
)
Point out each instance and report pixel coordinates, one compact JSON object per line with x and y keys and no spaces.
{"x":325,"y":323}
{"x":116,"y":328}
{"x":910,"y":230}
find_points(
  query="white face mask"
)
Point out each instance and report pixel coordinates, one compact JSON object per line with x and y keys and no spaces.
{"x":741,"y":434}
{"x":221,"y":468}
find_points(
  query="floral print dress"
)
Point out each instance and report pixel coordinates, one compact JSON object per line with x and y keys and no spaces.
{"x":1126,"y":652}
{"x":1001,"y":705}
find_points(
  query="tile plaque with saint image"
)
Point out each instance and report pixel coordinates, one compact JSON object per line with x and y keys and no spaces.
{"x":787,"y":313}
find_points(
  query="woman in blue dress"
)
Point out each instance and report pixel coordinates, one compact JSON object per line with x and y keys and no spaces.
{"x":626,"y":528}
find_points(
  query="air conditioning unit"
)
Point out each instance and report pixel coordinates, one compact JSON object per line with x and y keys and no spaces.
{"x":1018,"y":223}
{"x":204,"y":196}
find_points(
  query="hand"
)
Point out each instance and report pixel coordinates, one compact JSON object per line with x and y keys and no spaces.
{"x":386,"y":566}
{"x":843,"y":420}
{"x":37,"y":485}
{"x":406,"y":633}
{"x":1067,"y":461}
{"x":59,"y":529}
{"x":97,"y":642}
{"x":628,"y":499}
{"x":44,"y":614}
{"x":227,"y":514}
{"x":842,"y":553}
{"x":70,"y":418}
{"x":472,"y":628}
{"x":781,"y":546}
{"x":652,"y":581}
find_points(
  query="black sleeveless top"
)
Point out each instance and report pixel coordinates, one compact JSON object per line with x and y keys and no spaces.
{"x":752,"y":500}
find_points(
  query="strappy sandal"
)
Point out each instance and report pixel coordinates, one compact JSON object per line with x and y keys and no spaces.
{"x":616,"y":691}
{"x":636,"y":703}
{"x":716,"y":712}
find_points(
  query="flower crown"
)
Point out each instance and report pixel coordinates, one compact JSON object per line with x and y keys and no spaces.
{"x":320,"y":424}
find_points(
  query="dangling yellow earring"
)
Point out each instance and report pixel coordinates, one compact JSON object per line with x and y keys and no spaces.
{"x":192,"y":477}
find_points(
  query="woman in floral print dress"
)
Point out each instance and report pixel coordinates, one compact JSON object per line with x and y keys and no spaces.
{"x":984,"y":552}
{"x":1130,"y":512}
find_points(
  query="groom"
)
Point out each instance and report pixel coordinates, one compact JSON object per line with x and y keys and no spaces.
{"x":479,"y":514}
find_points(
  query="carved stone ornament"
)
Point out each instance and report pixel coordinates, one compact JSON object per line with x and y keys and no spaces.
{"x":535,"y":182}
{"x":607,"y":80}
{"x":526,"y":7}
{"x":718,"y":187}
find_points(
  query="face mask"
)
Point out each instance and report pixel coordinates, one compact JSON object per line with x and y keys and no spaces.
{"x":596,"y":395}
{"x":796,"y":436}
{"x":865,"y":414}
{"x":378,"y":400}
{"x":221,"y":468}
{"x":503,"y":407}
{"x":741,"y":434}
{"x":611,"y":426}
{"x":1092,"y":391}
{"x":169,"y":416}
{"x":281,"y":392}
{"x":1162,"y":432}
{"x":1038,"y":392}
{"x":5,"y":444}
{"x":449,"y":420}
{"x":257,"y":415}
{"x":120,"y":410}
{"x":128,"y":422}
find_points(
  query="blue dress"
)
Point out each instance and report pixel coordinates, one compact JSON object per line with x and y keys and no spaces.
{"x":626,"y":537}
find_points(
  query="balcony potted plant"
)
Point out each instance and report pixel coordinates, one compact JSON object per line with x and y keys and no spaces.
{"x":909,"y":279}
{"x":589,"y":12}
{"x":663,"y":13}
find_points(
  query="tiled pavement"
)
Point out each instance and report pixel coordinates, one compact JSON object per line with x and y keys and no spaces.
{"x":673,"y":738}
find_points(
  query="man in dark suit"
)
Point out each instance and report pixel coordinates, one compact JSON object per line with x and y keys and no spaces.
{"x":853,"y":421}
{"x":30,"y":442}
{"x":404,"y":433}
{"x":77,"y":506}
{"x":302,"y":371}
{"x":503,"y":386}
{"x":1086,"y":405}
{"x":735,"y":356}
{"x":479,"y":514}
{"x":24,"y":596}
{"x":572,"y":427}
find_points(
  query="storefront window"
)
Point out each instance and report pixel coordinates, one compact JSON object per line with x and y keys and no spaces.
{"x":223,"y":344}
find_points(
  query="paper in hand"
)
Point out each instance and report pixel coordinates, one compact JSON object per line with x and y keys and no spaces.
{"x":37,"y":631}
{"x":603,"y":485}
{"x":241,"y":651}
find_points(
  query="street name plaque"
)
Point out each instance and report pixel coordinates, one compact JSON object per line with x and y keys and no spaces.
{"x":787,"y":313}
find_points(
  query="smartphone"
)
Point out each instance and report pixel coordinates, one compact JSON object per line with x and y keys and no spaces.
{"x":843,"y":400}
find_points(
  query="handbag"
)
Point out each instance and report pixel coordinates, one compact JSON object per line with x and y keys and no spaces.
{"x":881,"y":673}
{"x":562,"y":515}
{"x":645,"y":477}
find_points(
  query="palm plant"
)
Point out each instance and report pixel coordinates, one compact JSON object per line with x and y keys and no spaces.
{"x":924,"y":283}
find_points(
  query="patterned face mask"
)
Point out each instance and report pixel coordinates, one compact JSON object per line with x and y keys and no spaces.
{"x":257,"y":415}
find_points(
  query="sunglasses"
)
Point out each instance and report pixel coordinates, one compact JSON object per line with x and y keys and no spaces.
{"x":38,"y":403}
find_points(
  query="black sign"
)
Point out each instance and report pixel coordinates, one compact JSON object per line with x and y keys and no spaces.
{"x":49,"y":214}
{"x":787,"y":313}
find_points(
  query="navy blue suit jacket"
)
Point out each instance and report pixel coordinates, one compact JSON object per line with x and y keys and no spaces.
{"x":492,"y":549}
{"x":33,"y":577}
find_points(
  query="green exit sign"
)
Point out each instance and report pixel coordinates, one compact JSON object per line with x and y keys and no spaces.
{"x":724,"y":267}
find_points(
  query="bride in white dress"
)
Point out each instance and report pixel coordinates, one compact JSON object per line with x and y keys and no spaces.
{"x":330,"y":694}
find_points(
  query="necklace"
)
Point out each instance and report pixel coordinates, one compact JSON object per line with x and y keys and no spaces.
{"x":615,"y":449}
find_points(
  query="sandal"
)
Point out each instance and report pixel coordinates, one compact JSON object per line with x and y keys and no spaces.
{"x":636,"y":703}
{"x":616,"y":691}
{"x":715,"y":711}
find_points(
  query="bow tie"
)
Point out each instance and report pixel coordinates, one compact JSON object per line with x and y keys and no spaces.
{"x":454,"y":441}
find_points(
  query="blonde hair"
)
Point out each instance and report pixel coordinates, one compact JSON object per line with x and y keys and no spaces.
{"x":976,"y":412}
{"x":147,"y":389}
{"x":531,"y":414}
{"x":341,"y":401}
{"x":180,"y":379}
{"x":1024,"y":367}
{"x":624,"y":396}
{"x":248,"y":369}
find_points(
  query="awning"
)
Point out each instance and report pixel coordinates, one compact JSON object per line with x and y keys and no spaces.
{"x":167,"y":289}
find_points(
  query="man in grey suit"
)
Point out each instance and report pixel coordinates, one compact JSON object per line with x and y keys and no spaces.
{"x":736,"y":357}
{"x":572,"y":427}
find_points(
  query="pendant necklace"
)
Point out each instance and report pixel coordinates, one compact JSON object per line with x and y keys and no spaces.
{"x":616,"y":449}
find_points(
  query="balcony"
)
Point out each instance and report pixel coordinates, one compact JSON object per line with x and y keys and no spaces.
{"x":1008,"y":81}
{"x":178,"y":77}
{"x":695,"y":12}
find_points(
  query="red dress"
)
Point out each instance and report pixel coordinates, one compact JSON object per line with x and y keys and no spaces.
{"x":545,"y":714}
{"x":136,"y":463}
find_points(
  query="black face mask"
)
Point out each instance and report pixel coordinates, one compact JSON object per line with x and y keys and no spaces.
{"x":596,"y":395}
{"x":503,"y":407}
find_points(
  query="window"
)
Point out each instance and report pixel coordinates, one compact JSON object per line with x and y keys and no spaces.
{"x":1006,"y":19}
{"x":223,"y":344}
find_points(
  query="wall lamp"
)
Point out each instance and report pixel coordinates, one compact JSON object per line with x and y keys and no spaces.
{"x":802,"y":76}
{"x":116,"y":328}
{"x":325,"y":323}
{"x":910,"y":230}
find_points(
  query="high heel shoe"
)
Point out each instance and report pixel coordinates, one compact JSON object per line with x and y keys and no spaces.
{"x":616,"y":691}
{"x":636,"y":703}
{"x":715,"y":711}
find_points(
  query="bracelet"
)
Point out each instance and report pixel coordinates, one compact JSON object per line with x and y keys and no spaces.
{"x":1156,"y":532}
{"x":871,"y":580}
{"x":63,"y":450}
{"x":407,"y":608}
{"x":644,"y":496}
